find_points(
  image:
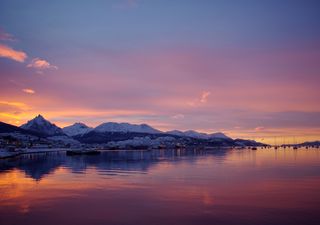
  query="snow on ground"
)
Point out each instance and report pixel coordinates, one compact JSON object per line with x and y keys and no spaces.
{"x":19,"y":136}
{"x":64,"y":139}
{"x":142,"y":141}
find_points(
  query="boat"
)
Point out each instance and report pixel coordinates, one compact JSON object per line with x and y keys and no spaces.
{"x":179,"y":146}
{"x":254,"y":148}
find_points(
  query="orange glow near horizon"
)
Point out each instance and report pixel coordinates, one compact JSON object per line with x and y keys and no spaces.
{"x":269,"y":136}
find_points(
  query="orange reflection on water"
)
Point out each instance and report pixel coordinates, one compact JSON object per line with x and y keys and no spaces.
{"x":218,"y":185}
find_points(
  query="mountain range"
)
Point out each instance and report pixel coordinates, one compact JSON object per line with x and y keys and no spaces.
{"x":194,"y":134}
{"x":40,"y":125}
{"x":112,"y":131}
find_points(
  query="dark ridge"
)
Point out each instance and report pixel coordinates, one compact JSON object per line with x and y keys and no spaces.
{"x":8,"y":128}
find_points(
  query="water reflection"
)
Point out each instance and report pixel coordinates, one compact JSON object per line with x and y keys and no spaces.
{"x":41,"y":164}
{"x":162,"y":187}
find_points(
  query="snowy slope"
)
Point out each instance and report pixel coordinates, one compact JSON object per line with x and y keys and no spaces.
{"x":41,"y":125}
{"x":219,"y":135}
{"x":198,"y":135}
{"x":176,"y":132}
{"x":195,"y":134}
{"x":76,"y":129}
{"x":126,"y":127}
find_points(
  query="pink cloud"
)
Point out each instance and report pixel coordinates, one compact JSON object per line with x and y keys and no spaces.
{"x":259,"y":128}
{"x":4,"y":36}
{"x":202,"y":100}
{"x":178,"y":116}
{"x":204,"y":96}
{"x":7,"y":52}
{"x":28,"y":91}
{"x":41,"y":64}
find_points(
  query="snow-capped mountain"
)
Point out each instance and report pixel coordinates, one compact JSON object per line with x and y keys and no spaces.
{"x":125,"y":128}
{"x":218,"y":135}
{"x":43,"y":126}
{"x":195,"y":134}
{"x":121,"y":134}
{"x":176,"y":132}
{"x":10,"y":129}
{"x":198,"y":135}
{"x":76,"y":129}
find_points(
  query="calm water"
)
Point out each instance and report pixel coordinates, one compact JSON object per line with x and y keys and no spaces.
{"x":162,"y":187}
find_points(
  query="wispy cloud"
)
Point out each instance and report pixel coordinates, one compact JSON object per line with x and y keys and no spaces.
{"x":41,"y":64}
{"x":259,"y":128}
{"x":203,"y":99}
{"x":4,"y":36}
{"x":17,"y":105}
{"x":28,"y":91}
{"x":178,"y":116}
{"x":204,"y":96}
{"x":8,"y":52}
{"x":12,"y":112}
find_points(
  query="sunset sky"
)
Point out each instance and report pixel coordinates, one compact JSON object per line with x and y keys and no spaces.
{"x":250,"y":69}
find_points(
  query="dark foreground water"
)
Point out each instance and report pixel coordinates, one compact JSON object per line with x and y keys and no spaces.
{"x":163,"y":187}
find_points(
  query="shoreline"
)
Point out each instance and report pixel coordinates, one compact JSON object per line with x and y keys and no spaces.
{"x":7,"y":154}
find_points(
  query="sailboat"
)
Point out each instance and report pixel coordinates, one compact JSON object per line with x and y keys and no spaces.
{"x":295,"y":143}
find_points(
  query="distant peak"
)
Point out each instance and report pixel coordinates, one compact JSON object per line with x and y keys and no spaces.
{"x":39,"y":119}
{"x":80,"y":124}
{"x":76,"y":129}
{"x":39,"y":116}
{"x":41,"y":125}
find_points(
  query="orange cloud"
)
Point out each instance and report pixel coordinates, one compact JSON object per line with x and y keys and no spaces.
{"x":41,"y":64}
{"x":28,"y":91}
{"x":13,"y":112}
{"x":7,"y":52}
{"x":18,"y":105}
